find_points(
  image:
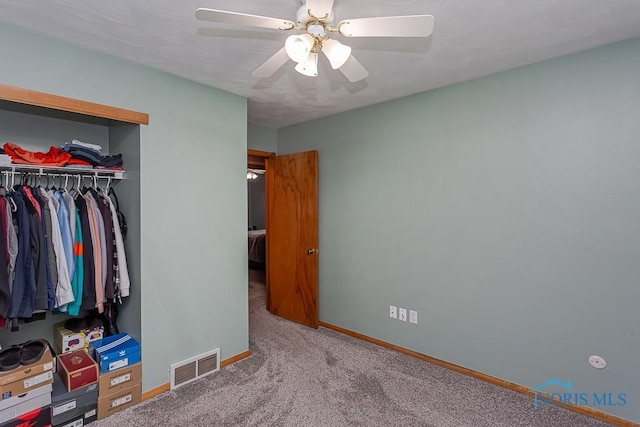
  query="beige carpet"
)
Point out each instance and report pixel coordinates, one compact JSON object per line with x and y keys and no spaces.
{"x":303,"y":377}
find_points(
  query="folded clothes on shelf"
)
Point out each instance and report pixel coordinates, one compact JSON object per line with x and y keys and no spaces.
{"x":54,"y":157}
{"x":93,"y":156}
{"x":76,"y":153}
{"x":87,"y":145}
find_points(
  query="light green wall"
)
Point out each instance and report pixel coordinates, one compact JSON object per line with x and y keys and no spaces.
{"x":192,"y":188}
{"x":504,"y":210}
{"x":262,"y":138}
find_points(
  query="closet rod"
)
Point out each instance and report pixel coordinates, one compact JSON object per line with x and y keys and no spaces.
{"x":48,"y":170}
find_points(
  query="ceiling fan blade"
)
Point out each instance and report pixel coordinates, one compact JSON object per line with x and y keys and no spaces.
{"x":226,"y":17}
{"x":320,"y":8}
{"x":388,"y":26}
{"x":353,"y":70}
{"x":271,"y":65}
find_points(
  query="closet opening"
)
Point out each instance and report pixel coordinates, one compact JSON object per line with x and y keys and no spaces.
{"x":44,"y":124}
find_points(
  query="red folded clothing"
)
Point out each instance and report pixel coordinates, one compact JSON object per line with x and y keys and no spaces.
{"x":73,"y":161}
{"x":54,"y":157}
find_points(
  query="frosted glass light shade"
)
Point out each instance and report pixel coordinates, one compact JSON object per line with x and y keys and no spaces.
{"x":336,"y":52}
{"x":310,"y":66}
{"x":298,"y":46}
{"x":251,"y":175}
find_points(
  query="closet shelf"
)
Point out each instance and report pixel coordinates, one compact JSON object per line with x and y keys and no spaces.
{"x":64,"y":170}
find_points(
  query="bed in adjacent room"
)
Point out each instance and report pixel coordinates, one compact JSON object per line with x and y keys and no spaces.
{"x":257,"y":247}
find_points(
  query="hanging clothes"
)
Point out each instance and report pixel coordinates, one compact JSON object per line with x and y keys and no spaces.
{"x":23,"y":291}
{"x":59,"y":253}
{"x":109,"y":240}
{"x":122,"y":282}
{"x":63,"y":293}
{"x":5,"y":291}
{"x":89,"y":278}
{"x":94,"y":231}
{"x":78,"y":268}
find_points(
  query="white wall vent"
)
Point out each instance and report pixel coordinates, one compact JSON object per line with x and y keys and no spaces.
{"x":194,"y":368}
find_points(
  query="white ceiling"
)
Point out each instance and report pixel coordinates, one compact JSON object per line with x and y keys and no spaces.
{"x":472,"y":38}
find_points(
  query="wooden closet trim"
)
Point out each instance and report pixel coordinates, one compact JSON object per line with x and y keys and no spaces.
{"x":46,"y":100}
{"x":258,"y":153}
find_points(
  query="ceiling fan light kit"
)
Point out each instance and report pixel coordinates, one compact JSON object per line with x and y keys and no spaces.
{"x":316,"y":21}
{"x":299,"y":46}
{"x":308,"y":67}
{"x":336,"y":52}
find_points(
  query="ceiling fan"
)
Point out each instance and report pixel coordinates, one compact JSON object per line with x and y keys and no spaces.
{"x":316,"y":22}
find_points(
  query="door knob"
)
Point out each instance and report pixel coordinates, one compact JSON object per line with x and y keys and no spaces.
{"x":311,"y":251}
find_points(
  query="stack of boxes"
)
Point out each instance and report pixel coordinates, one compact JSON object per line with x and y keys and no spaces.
{"x":30,"y":409}
{"x":68,"y":340}
{"x":94,"y":379}
{"x":78,"y":407}
{"x":75,"y":390}
{"x":120,"y":384}
{"x":25,"y":393}
{"x":97,"y":381}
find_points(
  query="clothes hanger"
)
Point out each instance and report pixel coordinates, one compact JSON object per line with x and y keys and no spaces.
{"x":53,"y":182}
{"x":76,"y":190}
{"x":23,"y":179}
{"x":14,"y":207}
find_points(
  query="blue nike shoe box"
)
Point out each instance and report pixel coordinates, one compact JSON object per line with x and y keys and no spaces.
{"x":115,"y":352}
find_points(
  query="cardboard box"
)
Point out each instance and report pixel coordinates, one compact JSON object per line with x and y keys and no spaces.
{"x":80,"y":417}
{"x":119,"y":379}
{"x":7,"y":403}
{"x":18,"y":405}
{"x":68,"y":405}
{"x":28,"y":377}
{"x":115,"y":352}
{"x":119,"y":401}
{"x":67,"y":340}
{"x":37,"y":417}
{"x":77,"y":369}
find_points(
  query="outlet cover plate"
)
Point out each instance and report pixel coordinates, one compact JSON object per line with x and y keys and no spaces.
{"x":413,"y":317}
{"x":393,"y":312}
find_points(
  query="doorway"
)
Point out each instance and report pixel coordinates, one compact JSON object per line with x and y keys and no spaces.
{"x":257,"y":223}
{"x":290,"y":237}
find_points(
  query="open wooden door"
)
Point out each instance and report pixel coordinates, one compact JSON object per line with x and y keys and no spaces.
{"x":292,"y":239}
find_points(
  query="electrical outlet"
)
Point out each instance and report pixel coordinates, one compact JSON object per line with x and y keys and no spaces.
{"x":393,"y":312}
{"x":413,"y":317}
{"x":402,"y":314}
